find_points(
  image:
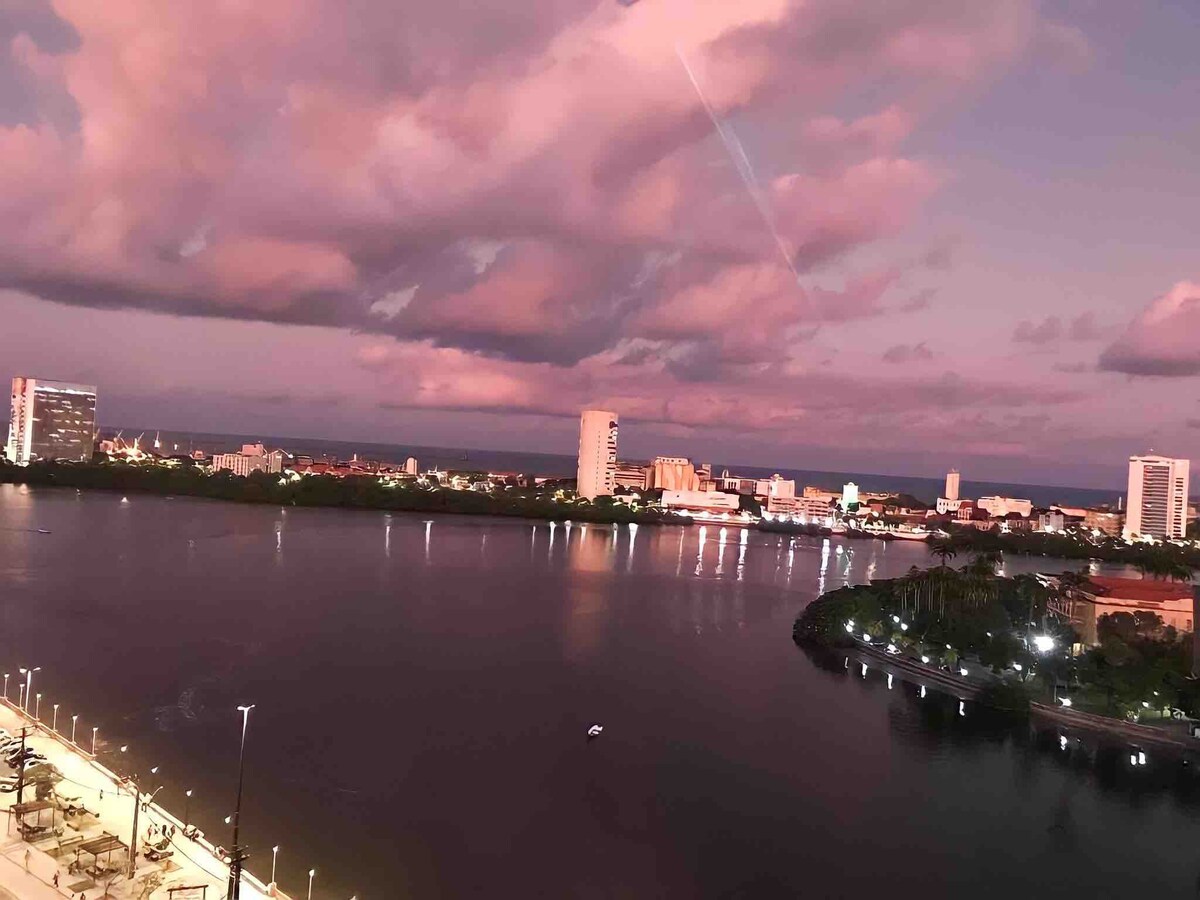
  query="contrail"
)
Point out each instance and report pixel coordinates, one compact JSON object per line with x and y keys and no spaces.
{"x":741,"y":162}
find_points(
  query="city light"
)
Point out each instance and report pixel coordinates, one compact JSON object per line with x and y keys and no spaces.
{"x":1043,"y":643}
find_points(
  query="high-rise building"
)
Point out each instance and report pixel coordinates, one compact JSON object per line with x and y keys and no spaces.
{"x":597,"y":453}
{"x":849,"y":495}
{"x":1157,"y":499}
{"x":51,"y":420}
{"x":952,"y":484}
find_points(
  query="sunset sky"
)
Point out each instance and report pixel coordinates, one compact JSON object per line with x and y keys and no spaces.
{"x":460,"y":223}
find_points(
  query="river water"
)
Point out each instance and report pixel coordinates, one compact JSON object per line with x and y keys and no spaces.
{"x":423,"y":688}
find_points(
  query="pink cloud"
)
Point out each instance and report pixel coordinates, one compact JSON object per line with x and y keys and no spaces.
{"x":1161,"y":340}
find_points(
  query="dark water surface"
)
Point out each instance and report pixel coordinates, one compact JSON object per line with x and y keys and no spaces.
{"x":423,"y":691}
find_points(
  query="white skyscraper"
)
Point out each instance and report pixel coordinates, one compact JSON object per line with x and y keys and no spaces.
{"x":597,"y":453}
{"x":952,"y":484}
{"x":50,"y":420}
{"x":1158,"y":497}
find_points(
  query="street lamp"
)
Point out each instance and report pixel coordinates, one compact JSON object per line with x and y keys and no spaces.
{"x":74,"y":719}
{"x":5,"y":685}
{"x":274,"y":857}
{"x":21,"y":696}
{"x":37,"y":708}
{"x":28,"y":673}
{"x":311,"y":873}
{"x":235,"y":866}
{"x":95,"y":728}
{"x":54,"y":721}
{"x":187,"y":802}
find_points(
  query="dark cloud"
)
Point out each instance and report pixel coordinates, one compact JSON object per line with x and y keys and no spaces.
{"x":907,"y":353}
{"x":1047,"y":331}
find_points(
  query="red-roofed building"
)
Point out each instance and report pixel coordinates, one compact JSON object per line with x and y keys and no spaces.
{"x":1103,"y":595}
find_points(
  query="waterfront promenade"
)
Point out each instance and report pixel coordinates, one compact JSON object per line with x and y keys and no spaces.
{"x":28,"y":870}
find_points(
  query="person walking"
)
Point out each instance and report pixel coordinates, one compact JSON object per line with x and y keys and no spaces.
{"x":56,"y":877}
{"x":26,"y":860}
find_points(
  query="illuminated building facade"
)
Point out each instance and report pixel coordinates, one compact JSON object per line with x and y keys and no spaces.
{"x":1158,"y":497}
{"x":252,"y":458}
{"x":597,"y":453}
{"x":51,"y":420}
{"x":952,"y":479}
{"x":672,"y":473}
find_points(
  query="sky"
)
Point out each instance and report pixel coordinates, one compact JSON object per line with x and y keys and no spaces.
{"x":893,"y":236}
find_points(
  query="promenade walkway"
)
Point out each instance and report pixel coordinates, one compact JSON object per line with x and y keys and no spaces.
{"x":28,"y":870}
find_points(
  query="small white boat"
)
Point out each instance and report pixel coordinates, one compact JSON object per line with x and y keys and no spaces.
{"x":594,"y":731}
{"x":43,"y":531}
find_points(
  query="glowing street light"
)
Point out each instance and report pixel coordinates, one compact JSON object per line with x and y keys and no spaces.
{"x":28,"y":673}
{"x":5,"y":685}
{"x":37,"y":708}
{"x":74,"y":720}
{"x":1043,"y":643}
{"x":187,"y":803}
{"x":95,"y":728}
{"x":54,"y":721}
{"x":274,"y":858}
{"x":235,"y":867}
{"x":311,"y":874}
{"x":1065,"y":701}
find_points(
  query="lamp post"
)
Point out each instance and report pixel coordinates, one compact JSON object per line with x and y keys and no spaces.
{"x":239,"y":854}
{"x":54,"y":720}
{"x":311,"y":873}
{"x":5,"y":685}
{"x":74,"y":719}
{"x":37,"y":708}
{"x":187,"y":803}
{"x":274,"y":857}
{"x":28,"y":673}
{"x":95,"y":728}
{"x":20,"y":696}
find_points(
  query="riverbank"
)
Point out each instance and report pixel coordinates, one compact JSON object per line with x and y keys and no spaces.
{"x":330,"y":491}
{"x":92,"y":807}
{"x":974,"y":687}
{"x":945,"y":623}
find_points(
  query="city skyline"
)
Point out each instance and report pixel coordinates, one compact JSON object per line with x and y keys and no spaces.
{"x":987,"y":210}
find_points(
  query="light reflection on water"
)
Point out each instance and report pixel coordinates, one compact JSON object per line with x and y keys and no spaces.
{"x":450,"y":673}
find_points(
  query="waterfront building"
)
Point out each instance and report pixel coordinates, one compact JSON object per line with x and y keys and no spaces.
{"x":1157,"y":499}
{"x":713,"y":502}
{"x":1106,"y":521}
{"x":1104,"y":595}
{"x":51,"y":420}
{"x":630,"y":474}
{"x":1051,"y":520}
{"x":818,"y":493}
{"x":734,"y":484}
{"x":597,"y":453}
{"x":813,"y":509}
{"x":952,"y":484}
{"x":999,"y":507}
{"x":672,"y":473}
{"x":411,"y":466}
{"x":775,"y":487}
{"x":251,"y":458}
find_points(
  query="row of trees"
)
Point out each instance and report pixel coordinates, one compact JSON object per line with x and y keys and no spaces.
{"x":356,"y":492}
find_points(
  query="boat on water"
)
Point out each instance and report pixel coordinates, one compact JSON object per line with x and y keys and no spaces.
{"x":43,"y":531}
{"x":594,"y":731}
